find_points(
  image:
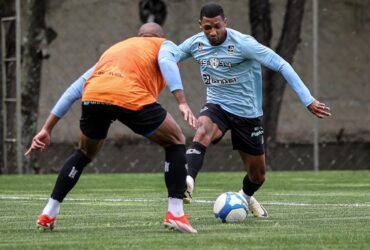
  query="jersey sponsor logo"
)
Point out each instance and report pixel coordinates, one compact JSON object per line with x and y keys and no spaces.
{"x":207,"y":79}
{"x":214,"y":62}
{"x":111,"y":73}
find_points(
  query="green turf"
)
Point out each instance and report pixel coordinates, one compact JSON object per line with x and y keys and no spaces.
{"x":308,"y":210}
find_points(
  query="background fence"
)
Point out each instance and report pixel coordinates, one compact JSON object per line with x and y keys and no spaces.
{"x":85,"y":28}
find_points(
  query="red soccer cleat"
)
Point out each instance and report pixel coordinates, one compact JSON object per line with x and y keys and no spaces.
{"x":178,"y":223}
{"x":45,"y":222}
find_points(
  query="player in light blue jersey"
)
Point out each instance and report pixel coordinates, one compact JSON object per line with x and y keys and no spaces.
{"x":230,"y":66}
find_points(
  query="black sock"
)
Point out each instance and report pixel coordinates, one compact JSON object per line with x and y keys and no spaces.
{"x":175,"y":171}
{"x":249,"y":187}
{"x":194,"y":157}
{"x":69,"y":174}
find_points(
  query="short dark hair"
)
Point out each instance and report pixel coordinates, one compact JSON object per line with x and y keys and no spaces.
{"x":211,"y":10}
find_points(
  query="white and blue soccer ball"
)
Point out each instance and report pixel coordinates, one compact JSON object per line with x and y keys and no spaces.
{"x":230,"y":207}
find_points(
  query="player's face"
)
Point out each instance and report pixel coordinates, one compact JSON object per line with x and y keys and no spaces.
{"x":214,"y":28}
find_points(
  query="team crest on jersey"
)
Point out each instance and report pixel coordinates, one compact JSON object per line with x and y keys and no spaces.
{"x":230,"y":49}
{"x":214,"y":62}
{"x":200,"y":47}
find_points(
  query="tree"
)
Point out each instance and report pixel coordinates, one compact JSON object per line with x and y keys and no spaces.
{"x":273,"y":83}
{"x":38,"y":36}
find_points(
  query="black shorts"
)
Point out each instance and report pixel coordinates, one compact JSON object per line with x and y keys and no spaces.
{"x":96,"y":119}
{"x":246,"y":133}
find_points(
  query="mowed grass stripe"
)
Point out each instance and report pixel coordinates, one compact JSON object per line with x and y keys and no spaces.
{"x":125,"y":211}
{"x":139,"y":200}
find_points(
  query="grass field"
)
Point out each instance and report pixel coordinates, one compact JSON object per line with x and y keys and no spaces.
{"x":308,"y":210}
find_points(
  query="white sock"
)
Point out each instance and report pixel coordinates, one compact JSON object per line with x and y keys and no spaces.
{"x":52,"y":208}
{"x":247,"y":197}
{"x":190,"y":180}
{"x":175,"y":206}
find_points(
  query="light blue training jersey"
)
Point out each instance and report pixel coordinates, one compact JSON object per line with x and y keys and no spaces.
{"x":232,"y":71}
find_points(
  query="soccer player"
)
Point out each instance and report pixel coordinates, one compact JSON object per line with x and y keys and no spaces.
{"x":124,"y":85}
{"x":230,"y":66}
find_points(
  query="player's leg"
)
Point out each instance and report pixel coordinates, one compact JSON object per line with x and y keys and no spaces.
{"x":171,"y":138}
{"x":247,"y":138}
{"x":74,"y":165}
{"x":67,"y":179}
{"x":206,"y":132}
{"x":212,"y":125}
{"x":156,"y":124}
{"x":168,"y":133}
{"x":253,"y":180}
{"x":92,"y":126}
{"x":255,"y":166}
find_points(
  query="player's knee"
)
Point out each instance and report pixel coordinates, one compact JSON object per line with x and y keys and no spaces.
{"x":176,"y":137}
{"x":257,"y":179}
{"x":203,"y":136}
{"x":179,"y":138}
{"x":90,"y":155}
{"x":261,"y":179}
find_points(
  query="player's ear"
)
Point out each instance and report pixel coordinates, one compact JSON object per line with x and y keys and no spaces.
{"x":225,"y":20}
{"x":200,"y":24}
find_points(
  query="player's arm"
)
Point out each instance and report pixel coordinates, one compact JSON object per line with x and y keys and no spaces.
{"x":184,"y":49}
{"x":168,"y":57}
{"x":314,"y":106}
{"x":273,"y":61}
{"x":74,"y":92}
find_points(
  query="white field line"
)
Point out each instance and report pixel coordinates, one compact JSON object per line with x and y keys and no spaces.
{"x":294,"y":204}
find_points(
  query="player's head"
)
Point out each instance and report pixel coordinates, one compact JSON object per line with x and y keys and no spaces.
{"x":151,"y":30}
{"x":212,"y":21}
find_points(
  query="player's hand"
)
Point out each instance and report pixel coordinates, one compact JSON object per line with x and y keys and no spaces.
{"x":188,"y":115}
{"x":319,"y":109}
{"x":40,"y":142}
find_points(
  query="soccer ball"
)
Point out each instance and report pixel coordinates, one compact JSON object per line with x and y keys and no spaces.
{"x":230,"y":207}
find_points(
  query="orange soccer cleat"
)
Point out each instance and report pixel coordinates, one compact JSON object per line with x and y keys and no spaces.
{"x":180,"y":223}
{"x":45,"y":222}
